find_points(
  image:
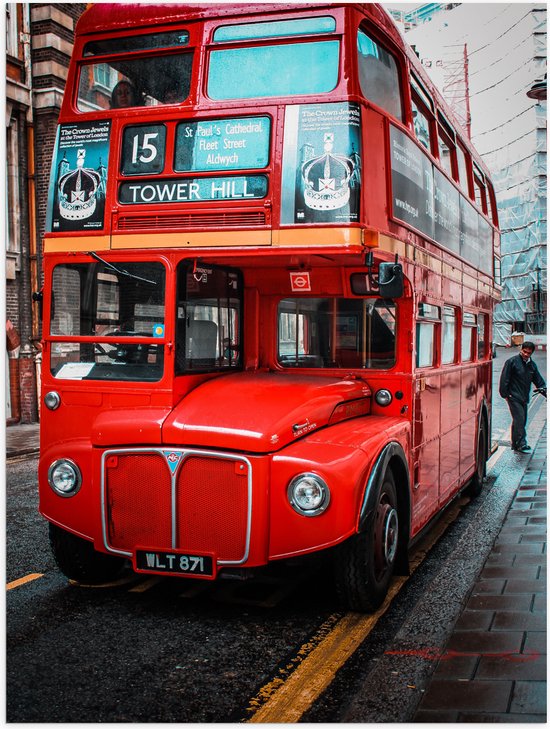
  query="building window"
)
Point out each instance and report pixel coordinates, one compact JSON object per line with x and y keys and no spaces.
{"x":13,"y":215}
{"x":12,"y":30}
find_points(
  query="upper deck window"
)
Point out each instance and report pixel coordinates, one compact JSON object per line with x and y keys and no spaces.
{"x":128,"y":82}
{"x":274,"y":29}
{"x":379,"y":75}
{"x":291,"y":69}
{"x":109,"y":46}
{"x":422,"y":112}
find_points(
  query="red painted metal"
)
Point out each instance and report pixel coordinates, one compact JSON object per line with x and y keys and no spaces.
{"x":202,"y":462}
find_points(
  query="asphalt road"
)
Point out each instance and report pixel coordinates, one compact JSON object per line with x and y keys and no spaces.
{"x":168,"y":650}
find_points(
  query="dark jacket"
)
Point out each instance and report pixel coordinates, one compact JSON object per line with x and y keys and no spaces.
{"x":516,"y":378}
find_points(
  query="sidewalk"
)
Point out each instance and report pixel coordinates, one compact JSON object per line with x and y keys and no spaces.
{"x":493,"y":668}
{"x":22,"y":440}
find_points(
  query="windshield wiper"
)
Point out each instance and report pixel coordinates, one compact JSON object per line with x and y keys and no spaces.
{"x":121,"y":271}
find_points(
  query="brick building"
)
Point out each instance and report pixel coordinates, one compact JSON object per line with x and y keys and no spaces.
{"x":39,"y":40}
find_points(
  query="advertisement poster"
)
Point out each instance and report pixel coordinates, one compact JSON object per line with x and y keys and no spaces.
{"x":79,"y":177}
{"x":412,"y":183}
{"x":321,"y":180}
{"x":425,"y":199}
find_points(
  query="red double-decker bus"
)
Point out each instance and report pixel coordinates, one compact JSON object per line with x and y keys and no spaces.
{"x":269,"y":280}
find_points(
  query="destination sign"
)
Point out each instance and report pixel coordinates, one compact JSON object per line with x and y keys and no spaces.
{"x":222,"y":144}
{"x":192,"y":189}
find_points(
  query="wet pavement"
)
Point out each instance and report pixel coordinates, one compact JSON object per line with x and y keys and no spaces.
{"x":493,"y":666}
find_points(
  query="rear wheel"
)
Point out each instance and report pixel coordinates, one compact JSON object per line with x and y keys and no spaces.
{"x":365,"y":563}
{"x":476,"y":484}
{"x":78,"y":560}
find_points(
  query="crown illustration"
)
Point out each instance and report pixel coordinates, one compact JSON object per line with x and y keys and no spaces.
{"x":326,"y":178}
{"x":77,"y":190}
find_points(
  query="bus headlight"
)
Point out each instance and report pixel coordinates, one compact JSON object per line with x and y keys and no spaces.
{"x":64,"y":477}
{"x":52,"y":400}
{"x":308,"y":494}
{"x":383,"y":397}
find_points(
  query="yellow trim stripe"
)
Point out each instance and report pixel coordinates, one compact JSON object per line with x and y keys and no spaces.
{"x":76,"y":243}
{"x":24,"y":580}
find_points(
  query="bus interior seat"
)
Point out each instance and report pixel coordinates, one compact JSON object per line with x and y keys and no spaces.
{"x":202,"y":338}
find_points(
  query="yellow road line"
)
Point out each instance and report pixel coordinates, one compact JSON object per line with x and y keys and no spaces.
{"x":316,"y":673}
{"x":144,"y":586}
{"x":24,"y":580}
{"x":287,"y":699}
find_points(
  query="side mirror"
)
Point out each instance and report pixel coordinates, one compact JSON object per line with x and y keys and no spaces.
{"x":390,"y":280}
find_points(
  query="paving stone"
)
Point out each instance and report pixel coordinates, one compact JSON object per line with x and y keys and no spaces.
{"x":475,"y":620}
{"x":529,"y":696}
{"x":471,"y":641}
{"x":525,"y":586}
{"x":534,"y":536}
{"x":535,"y":643}
{"x":530,"y":558}
{"x":524,"y":548}
{"x":524,"y":620}
{"x":499,"y":602}
{"x":455,"y":667}
{"x":466,"y":695}
{"x":515,"y":667}
{"x":494,"y":718}
{"x":539,"y":603}
{"x":519,"y":571}
{"x":491,"y":586}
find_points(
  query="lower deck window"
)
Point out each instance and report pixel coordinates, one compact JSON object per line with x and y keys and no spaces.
{"x":344,"y":333}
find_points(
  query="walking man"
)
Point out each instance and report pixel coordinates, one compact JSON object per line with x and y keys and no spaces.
{"x":515,"y":386}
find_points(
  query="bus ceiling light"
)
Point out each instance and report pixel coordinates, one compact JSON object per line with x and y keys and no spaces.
{"x":52,"y":400}
{"x":308,"y":494}
{"x":383,"y":398}
{"x":64,"y":477}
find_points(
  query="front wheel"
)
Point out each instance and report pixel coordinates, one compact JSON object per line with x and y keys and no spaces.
{"x":78,"y":560}
{"x":365,"y":563}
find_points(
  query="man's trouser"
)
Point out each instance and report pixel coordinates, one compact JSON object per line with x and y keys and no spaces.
{"x":518,"y":410}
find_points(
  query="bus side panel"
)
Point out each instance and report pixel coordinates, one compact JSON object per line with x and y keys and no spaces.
{"x":468,"y":427}
{"x":427,"y":429}
{"x":450,"y":433}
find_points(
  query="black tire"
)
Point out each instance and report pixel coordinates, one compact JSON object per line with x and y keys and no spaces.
{"x":365,"y":563}
{"x":475,"y":486}
{"x":78,"y":560}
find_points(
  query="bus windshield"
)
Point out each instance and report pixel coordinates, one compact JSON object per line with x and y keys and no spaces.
{"x":354,"y":333}
{"x":125,"y":82}
{"x":101,"y":300}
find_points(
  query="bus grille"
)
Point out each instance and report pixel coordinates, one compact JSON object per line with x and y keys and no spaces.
{"x":222,"y":220}
{"x":208,"y":494}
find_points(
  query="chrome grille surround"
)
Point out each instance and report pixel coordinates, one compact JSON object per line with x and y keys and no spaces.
{"x":181,"y":455}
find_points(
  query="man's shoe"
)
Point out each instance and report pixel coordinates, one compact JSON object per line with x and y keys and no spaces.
{"x":525,"y":449}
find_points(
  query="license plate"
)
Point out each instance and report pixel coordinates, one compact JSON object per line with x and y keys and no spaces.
{"x":174,"y":563}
